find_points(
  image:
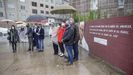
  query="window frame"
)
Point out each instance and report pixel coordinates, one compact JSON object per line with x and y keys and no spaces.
{"x":42,"y":11}
{"x":47,"y":12}
{"x":46,"y":6}
{"x":34,"y":4}
{"x":52,"y":7}
{"x":1,"y":13}
{"x":34,"y":11}
{"x":41,"y":5}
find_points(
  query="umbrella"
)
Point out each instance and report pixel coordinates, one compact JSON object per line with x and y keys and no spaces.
{"x":7,"y":20}
{"x":37,"y":18}
{"x":21,"y":24}
{"x":6,"y":23}
{"x":63,"y":9}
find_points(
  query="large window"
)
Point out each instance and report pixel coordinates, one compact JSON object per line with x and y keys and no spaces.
{"x":42,"y":12}
{"x":0,"y":3}
{"x":22,"y":7}
{"x":1,"y":14}
{"x":11,"y":5}
{"x":47,"y":12}
{"x":34,"y":11}
{"x":121,"y":3}
{"x":22,"y":0}
{"x":34,"y":4}
{"x":52,"y":1}
{"x":41,"y":5}
{"x":46,"y":0}
{"x":46,"y":6}
{"x":52,"y":7}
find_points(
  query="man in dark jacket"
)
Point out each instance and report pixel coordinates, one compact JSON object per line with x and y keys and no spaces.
{"x":30,"y":37}
{"x":76,"y":39}
{"x":41,"y":39}
{"x":68,"y":41}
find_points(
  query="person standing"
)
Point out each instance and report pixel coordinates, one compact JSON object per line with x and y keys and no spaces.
{"x":68,"y":41}
{"x":60,"y":34}
{"x":41,"y":39}
{"x":14,"y":38}
{"x":22,"y":35}
{"x":9,"y":36}
{"x":53,"y":36}
{"x":30,"y":37}
{"x":35,"y":40}
{"x":37,"y":32}
{"x":76,"y":39}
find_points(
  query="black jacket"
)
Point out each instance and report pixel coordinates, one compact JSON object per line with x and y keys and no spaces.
{"x":76,"y":33}
{"x":29,"y":32}
{"x":68,"y":36}
{"x":42,"y":34}
{"x":14,"y":37}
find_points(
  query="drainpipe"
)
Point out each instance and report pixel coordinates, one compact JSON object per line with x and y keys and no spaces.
{"x":5,"y":8}
{"x":17,"y":9}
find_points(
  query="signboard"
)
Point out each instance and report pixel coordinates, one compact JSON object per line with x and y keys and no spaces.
{"x":112,"y":40}
{"x":100,"y":41}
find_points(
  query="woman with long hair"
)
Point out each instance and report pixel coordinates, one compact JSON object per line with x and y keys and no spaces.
{"x":14,"y":38}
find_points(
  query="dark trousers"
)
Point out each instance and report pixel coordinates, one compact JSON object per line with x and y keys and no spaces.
{"x":61,"y":45}
{"x":70,"y":53}
{"x":14,"y":46}
{"x":30,"y":40}
{"x":55,"y":46}
{"x":76,"y":52}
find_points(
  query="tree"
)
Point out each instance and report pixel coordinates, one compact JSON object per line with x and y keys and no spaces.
{"x":91,"y":15}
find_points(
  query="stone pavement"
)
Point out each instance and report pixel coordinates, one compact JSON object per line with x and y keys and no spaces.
{"x":45,"y":63}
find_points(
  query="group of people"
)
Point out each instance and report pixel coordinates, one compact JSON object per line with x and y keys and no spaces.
{"x":36,"y":37}
{"x":35,"y":34}
{"x":66,"y":37}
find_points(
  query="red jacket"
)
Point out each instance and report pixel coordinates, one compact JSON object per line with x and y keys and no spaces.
{"x":60,"y":33}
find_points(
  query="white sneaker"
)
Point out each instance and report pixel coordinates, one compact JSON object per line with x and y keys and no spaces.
{"x":62,"y":55}
{"x":59,"y":54}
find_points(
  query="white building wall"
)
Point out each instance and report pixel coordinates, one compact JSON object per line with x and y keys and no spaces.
{"x":14,"y":11}
{"x":23,"y":12}
{"x":2,"y":9}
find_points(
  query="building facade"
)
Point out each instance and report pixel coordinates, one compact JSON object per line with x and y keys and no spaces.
{"x":115,"y":8}
{"x":104,"y":8}
{"x":2,"y":9}
{"x":83,"y":6}
{"x":21,"y":9}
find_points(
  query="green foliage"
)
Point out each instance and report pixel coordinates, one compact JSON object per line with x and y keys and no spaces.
{"x":76,"y":17}
{"x":92,"y":15}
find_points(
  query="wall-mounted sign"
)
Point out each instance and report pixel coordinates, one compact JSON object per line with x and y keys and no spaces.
{"x":112,"y":40}
{"x":100,"y":41}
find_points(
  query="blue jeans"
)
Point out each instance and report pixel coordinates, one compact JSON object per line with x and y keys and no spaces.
{"x":41,"y":44}
{"x":76,"y":52}
{"x":37,"y":43}
{"x":70,"y":53}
